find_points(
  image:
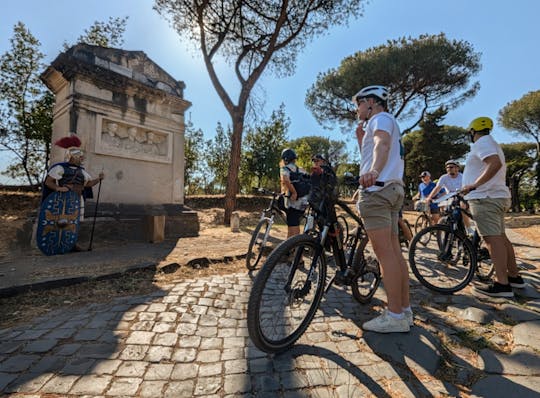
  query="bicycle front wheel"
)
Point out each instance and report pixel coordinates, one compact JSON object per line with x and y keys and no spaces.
{"x":286,"y":294}
{"x":257,"y":244}
{"x":421,"y":222}
{"x":446,"y":264}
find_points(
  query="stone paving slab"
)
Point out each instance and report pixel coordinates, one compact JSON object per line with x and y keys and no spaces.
{"x":195,"y":343}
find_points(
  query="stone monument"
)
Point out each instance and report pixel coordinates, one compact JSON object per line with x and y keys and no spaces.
{"x":129,"y":115}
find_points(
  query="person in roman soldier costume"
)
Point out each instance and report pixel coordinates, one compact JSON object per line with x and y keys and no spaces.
{"x":70,"y":175}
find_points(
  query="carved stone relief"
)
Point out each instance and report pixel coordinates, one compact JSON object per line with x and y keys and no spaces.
{"x":138,"y":142}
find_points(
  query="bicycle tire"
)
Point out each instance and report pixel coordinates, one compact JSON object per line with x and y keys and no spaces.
{"x":258,"y":241}
{"x":343,"y":228}
{"x":484,"y":265}
{"x":270,"y":303}
{"x":447,"y":263}
{"x":368,"y":278}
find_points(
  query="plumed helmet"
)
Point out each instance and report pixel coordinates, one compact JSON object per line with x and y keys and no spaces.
{"x":481,"y":123}
{"x":72,"y":145}
{"x":378,"y":92}
{"x":288,"y":154}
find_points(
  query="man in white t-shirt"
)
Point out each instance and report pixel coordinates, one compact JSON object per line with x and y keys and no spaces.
{"x":451,"y":181}
{"x":484,"y":182}
{"x":380,"y":200}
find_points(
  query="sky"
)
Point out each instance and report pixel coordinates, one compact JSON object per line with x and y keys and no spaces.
{"x":505,"y":33}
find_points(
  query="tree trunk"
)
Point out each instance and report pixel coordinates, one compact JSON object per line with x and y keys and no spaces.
{"x":514,"y":191}
{"x":234,"y":166}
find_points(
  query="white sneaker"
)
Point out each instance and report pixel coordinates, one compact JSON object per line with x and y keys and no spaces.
{"x":384,"y":323}
{"x":409,"y":317}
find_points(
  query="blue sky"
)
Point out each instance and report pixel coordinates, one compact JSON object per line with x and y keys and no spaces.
{"x":505,"y":33}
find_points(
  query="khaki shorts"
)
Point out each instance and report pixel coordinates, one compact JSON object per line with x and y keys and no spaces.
{"x":380,"y":209}
{"x":488,"y":213}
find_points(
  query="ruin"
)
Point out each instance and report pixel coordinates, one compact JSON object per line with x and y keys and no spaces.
{"x":129,"y":115}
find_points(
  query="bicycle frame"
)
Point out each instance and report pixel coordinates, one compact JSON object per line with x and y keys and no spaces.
{"x":454,"y":213}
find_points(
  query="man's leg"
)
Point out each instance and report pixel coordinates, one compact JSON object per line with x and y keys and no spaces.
{"x":498,"y":251}
{"x":292,"y":231}
{"x":510,"y":258}
{"x":391,"y":267}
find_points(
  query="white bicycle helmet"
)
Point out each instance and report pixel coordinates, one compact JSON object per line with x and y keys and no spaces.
{"x":379,"y":92}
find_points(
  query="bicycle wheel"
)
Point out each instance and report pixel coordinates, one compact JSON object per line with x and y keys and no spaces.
{"x":257,"y":244}
{"x":421,"y":223}
{"x":484,"y":264}
{"x":445,"y":264}
{"x":368,"y":278}
{"x":286,"y":294}
{"x":343,"y":228}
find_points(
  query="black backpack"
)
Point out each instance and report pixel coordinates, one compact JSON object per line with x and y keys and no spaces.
{"x":300,"y":181}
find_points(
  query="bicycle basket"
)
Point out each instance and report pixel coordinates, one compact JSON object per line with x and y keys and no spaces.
{"x":421,"y":206}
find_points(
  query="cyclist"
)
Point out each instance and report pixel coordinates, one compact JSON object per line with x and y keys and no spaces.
{"x":450,"y":182}
{"x":425,"y":188}
{"x":382,"y":164}
{"x":294,"y":205}
{"x":484,"y":182}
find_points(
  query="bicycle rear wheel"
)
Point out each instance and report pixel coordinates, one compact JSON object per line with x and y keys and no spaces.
{"x":286,"y":294}
{"x":484,"y":264}
{"x":446,"y":264}
{"x":422,"y":222}
{"x":257,"y":244}
{"x":368,"y":278}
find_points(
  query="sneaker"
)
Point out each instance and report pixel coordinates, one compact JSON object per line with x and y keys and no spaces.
{"x":494,"y":290}
{"x":409,"y":317}
{"x":384,"y":323}
{"x":516,"y":281}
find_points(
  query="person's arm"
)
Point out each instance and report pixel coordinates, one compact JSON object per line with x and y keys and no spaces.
{"x":433,"y":193}
{"x":382,"y":141}
{"x":289,"y":186}
{"x":53,"y":186}
{"x":494,"y":164}
{"x":360,"y":134}
{"x":91,"y":183}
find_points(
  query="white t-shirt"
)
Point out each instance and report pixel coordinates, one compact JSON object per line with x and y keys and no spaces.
{"x":393,"y":169}
{"x":57,"y":173}
{"x":474,"y":166}
{"x":449,"y":183}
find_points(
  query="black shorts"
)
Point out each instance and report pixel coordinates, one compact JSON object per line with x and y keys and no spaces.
{"x":293,"y":217}
{"x":435,"y":210}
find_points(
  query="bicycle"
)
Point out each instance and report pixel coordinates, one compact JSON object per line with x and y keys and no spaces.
{"x":447,"y":263}
{"x":261,"y":233}
{"x":286,"y":293}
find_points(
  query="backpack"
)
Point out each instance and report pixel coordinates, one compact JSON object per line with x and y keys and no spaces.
{"x":300,"y":182}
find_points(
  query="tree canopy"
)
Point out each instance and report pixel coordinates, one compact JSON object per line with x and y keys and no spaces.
{"x":523,"y":117}
{"x":251,"y":36}
{"x":519,"y":159}
{"x":262,"y":151}
{"x":26,"y":105}
{"x":431,"y":146}
{"x":421,"y":73}
{"x":25,"y":108}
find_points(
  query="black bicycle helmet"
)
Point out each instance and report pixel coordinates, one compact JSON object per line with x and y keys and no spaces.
{"x":288,"y":155}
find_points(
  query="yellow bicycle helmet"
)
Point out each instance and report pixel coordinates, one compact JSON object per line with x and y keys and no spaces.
{"x":481,"y":123}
